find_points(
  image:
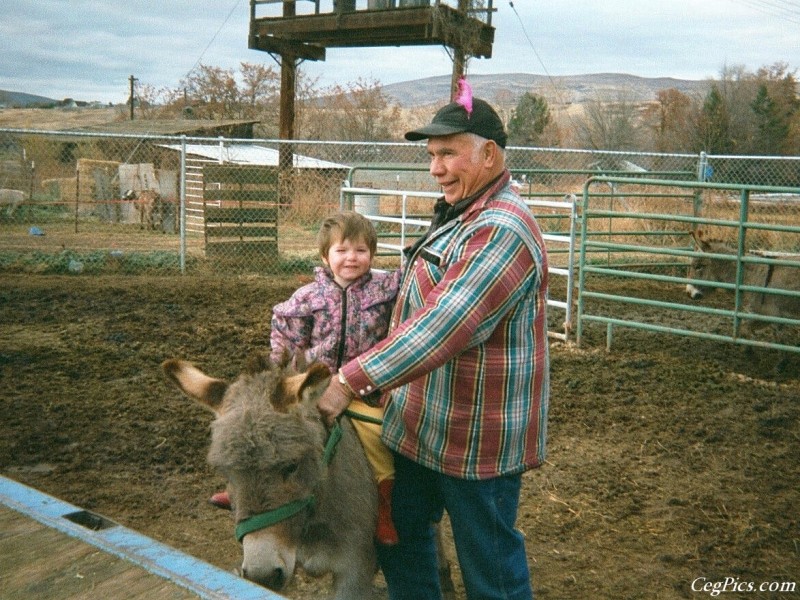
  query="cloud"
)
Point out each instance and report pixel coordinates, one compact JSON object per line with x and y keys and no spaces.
{"x":87,"y":49}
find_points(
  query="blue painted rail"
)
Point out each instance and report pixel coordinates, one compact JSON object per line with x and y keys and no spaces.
{"x":198,"y":577}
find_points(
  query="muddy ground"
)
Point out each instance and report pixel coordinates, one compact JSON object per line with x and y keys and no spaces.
{"x":672,"y":460}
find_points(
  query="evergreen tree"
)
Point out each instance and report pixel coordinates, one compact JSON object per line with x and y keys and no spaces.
{"x":529,"y":120}
{"x":776,"y":111}
{"x":713,"y":128}
{"x":772,"y":124}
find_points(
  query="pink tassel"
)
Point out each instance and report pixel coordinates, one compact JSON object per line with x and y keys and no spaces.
{"x":464,"y":95}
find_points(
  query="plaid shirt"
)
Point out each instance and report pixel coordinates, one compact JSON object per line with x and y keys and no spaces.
{"x":467,"y":354}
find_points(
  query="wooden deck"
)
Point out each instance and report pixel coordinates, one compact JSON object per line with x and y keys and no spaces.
{"x":52,"y":550}
{"x":39,"y":562}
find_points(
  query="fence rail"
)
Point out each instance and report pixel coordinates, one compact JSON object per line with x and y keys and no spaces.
{"x":633,"y":221}
{"x":405,"y":227}
{"x":627,"y":252}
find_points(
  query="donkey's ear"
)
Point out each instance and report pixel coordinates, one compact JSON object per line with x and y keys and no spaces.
{"x":302,"y":389}
{"x":700,"y":239}
{"x":208,"y":391}
{"x":315,"y":383}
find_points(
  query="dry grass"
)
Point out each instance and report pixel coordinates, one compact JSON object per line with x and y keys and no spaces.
{"x":58,"y":119}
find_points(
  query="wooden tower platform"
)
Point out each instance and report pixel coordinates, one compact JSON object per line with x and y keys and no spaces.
{"x":306,"y":36}
{"x":291,"y":36}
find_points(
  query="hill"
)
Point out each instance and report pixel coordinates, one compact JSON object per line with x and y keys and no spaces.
{"x":507,"y":88}
{"x":23,"y":100}
{"x":503,"y":90}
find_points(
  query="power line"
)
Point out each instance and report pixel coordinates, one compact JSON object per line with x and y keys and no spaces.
{"x":197,"y":62}
{"x":558,"y":91}
{"x":785,"y":9}
{"x":214,"y":37}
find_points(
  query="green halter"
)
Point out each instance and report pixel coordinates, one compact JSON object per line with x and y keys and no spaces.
{"x":271,"y":517}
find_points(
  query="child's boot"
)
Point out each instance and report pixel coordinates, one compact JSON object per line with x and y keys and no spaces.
{"x":385,"y":532}
{"x":221,"y":500}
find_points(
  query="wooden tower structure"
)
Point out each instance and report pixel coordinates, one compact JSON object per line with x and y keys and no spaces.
{"x":292,"y":37}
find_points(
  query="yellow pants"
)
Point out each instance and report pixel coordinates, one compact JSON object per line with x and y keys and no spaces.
{"x":378,"y":455}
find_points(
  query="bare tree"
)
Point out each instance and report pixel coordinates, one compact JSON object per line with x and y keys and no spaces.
{"x":358,"y":111}
{"x":609,"y":125}
{"x":737,"y":89}
{"x":214,"y":92}
{"x":260,"y":89}
{"x":672,"y":120}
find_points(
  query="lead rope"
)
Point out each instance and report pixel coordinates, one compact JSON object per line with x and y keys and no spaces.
{"x":364,"y":418}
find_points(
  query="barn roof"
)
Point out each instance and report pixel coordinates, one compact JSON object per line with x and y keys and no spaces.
{"x":172,"y":127}
{"x":249,"y":154}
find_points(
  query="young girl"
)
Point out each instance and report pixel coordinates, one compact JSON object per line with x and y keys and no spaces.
{"x":343,"y":313}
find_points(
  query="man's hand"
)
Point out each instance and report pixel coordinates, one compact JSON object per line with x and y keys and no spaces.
{"x":334,"y":401}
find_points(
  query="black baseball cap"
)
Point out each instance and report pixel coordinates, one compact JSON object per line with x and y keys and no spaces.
{"x":453,"y":118}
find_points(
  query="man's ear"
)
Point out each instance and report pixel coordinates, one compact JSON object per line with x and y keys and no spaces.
{"x":490,"y":153}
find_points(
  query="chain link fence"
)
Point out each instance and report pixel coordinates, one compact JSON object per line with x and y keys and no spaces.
{"x":93,"y":202}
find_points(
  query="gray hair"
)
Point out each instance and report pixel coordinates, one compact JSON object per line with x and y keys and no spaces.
{"x":478,"y":142}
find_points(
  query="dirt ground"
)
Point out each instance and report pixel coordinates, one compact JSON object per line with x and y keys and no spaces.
{"x":673,"y":463}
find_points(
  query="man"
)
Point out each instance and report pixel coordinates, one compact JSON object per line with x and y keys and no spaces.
{"x":467,"y":365}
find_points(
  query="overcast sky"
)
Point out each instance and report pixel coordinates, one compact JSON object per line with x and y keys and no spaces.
{"x":87,"y":49}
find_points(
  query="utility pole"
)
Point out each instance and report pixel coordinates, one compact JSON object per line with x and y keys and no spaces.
{"x":459,"y":54}
{"x":133,"y":80}
{"x":286,"y":118}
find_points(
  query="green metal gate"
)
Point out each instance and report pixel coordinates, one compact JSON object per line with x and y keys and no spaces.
{"x":636,"y":239}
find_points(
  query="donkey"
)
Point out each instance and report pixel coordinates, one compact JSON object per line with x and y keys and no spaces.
{"x":299,"y":497}
{"x":779,"y":277}
{"x":150,"y":207}
{"x":11,"y":199}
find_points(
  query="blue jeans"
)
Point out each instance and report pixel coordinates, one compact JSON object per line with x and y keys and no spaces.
{"x":491,"y":552}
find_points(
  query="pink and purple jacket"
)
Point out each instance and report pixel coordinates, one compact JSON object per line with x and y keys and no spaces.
{"x":332,"y":325}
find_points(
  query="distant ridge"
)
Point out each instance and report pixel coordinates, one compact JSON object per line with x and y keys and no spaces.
{"x":23,"y":100}
{"x":502,"y":89}
{"x":507,"y":88}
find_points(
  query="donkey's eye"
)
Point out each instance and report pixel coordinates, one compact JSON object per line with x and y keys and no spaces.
{"x":288,"y":470}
